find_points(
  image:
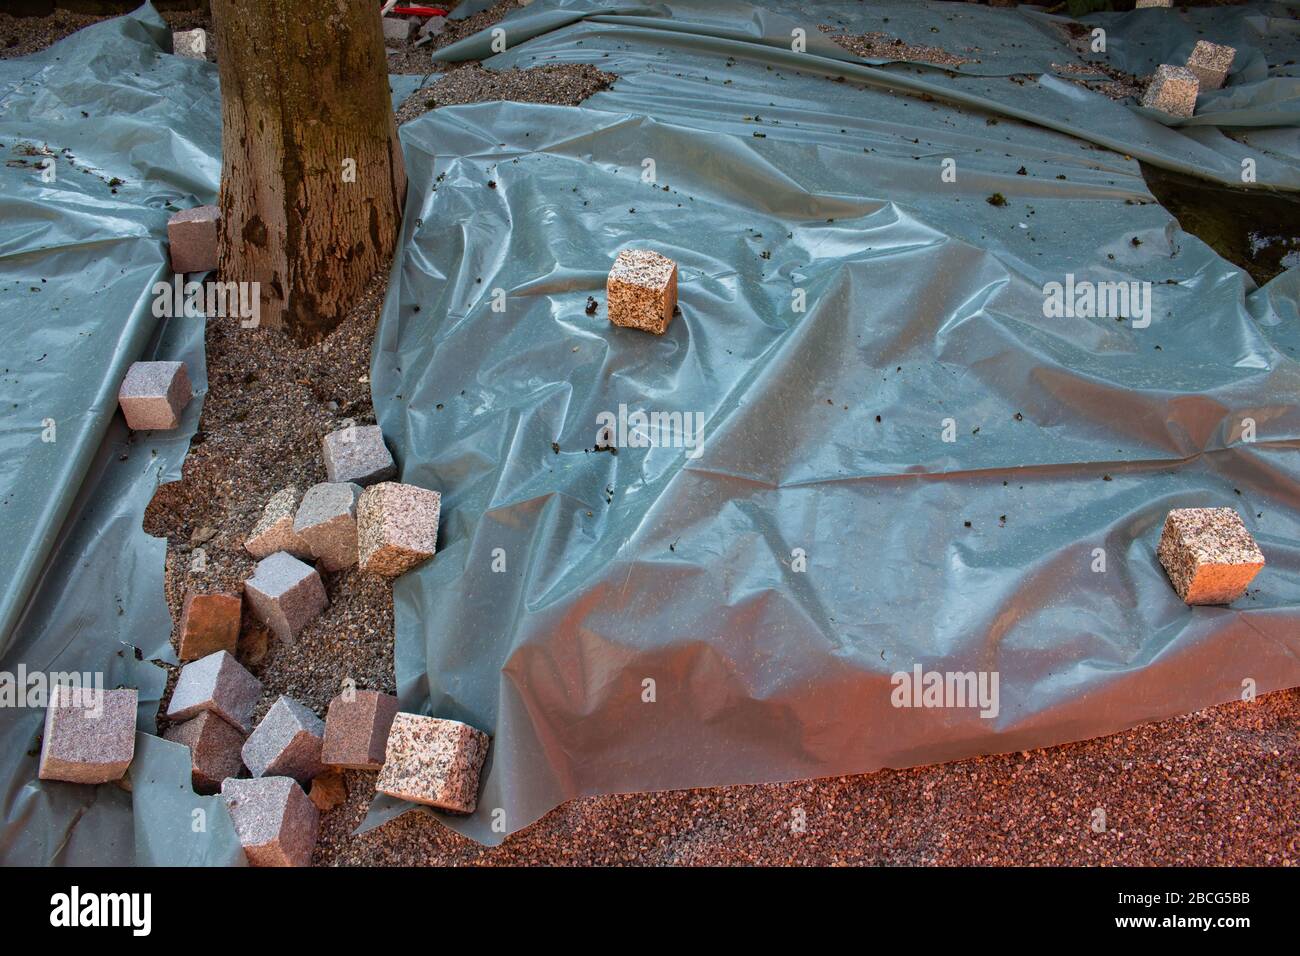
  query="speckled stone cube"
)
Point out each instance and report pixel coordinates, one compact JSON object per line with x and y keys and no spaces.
{"x":285,"y":594}
{"x":1211,"y":63}
{"x":153,"y":395}
{"x":434,"y":26}
{"x":397,"y":527}
{"x":357,"y":454}
{"x":1172,"y":90}
{"x":1141,"y":4}
{"x":397,"y":30}
{"x":641,"y":291}
{"x":274,"y":530}
{"x":433,"y":761}
{"x":286,"y":743}
{"x":356,"y":730}
{"x":209,"y":623}
{"x":217,"y":683}
{"x":192,"y":238}
{"x":89,"y":734}
{"x":276,"y":823}
{"x":214,"y":750}
{"x":193,"y":44}
{"x":327,"y":523}
{"x":1208,"y":554}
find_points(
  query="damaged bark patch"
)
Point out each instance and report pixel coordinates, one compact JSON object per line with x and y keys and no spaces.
{"x":254,"y":232}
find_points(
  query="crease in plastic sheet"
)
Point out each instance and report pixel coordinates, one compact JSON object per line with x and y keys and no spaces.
{"x":824,"y":429}
{"x":79,"y":257}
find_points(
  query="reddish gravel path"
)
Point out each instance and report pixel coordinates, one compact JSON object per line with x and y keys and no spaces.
{"x":1218,"y":787}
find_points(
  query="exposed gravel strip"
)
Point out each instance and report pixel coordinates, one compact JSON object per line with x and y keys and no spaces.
{"x":20,"y":36}
{"x":883,"y":46}
{"x":268,"y":404}
{"x":459,"y":29}
{"x":1095,"y":74}
{"x":562,"y":84}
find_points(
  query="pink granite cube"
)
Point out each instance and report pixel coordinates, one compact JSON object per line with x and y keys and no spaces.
{"x":357,"y":454}
{"x":641,"y":290}
{"x":1172,"y":90}
{"x":285,"y":594}
{"x":216,"y":683}
{"x":1208,"y":554}
{"x":192,"y":236}
{"x":214,"y":750}
{"x":209,"y":623}
{"x":327,"y":523}
{"x":274,"y":530}
{"x":1211,"y":63}
{"x":89,"y":734}
{"x":193,"y":44}
{"x":356,"y":729}
{"x":286,"y":743}
{"x":433,"y":761}
{"x":397,"y":527}
{"x":154,"y":394}
{"x":276,"y":823}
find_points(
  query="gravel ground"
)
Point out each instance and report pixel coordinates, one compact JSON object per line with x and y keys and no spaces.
{"x":468,"y":82}
{"x":268,"y":405}
{"x":562,"y":85}
{"x":1096,"y":75}
{"x":20,"y":36}
{"x":883,"y":46}
{"x":1216,"y":787}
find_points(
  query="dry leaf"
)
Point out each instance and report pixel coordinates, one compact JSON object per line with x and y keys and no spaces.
{"x":328,"y":790}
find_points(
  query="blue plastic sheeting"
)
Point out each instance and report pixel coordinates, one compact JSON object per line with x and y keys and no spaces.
{"x":907,"y":461}
{"x":81,"y":253}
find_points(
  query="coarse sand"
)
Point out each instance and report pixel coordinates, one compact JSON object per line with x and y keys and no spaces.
{"x":884,"y":46}
{"x":562,"y":84}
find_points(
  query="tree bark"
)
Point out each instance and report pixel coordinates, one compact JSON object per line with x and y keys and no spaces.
{"x":312,"y":178}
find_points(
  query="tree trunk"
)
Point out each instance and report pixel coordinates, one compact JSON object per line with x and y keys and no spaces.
{"x":312,"y":179}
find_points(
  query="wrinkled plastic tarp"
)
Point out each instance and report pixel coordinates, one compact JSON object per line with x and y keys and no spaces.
{"x":921,"y":303}
{"x":827,"y":535}
{"x":1006,"y":47}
